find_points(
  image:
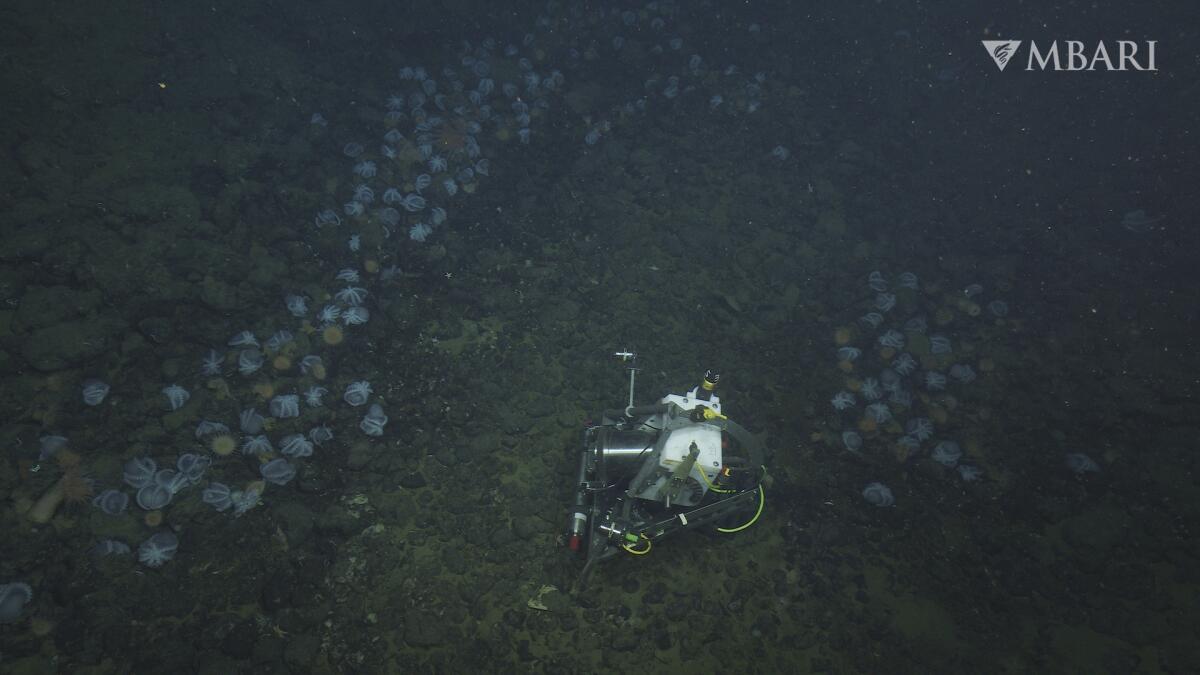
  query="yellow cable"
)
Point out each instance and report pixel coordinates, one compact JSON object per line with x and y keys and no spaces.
{"x":635,"y":551}
{"x":762,"y":500}
{"x":712,"y":487}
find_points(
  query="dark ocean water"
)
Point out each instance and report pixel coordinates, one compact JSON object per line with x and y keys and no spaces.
{"x":438,"y":221}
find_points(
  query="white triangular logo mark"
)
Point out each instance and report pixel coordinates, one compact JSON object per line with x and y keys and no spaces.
{"x":1001,"y":50}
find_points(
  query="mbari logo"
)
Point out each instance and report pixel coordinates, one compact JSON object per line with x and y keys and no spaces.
{"x":1075,"y":55}
{"x":1001,"y":51}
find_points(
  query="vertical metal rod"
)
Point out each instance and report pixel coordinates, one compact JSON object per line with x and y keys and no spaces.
{"x":632,"y":377}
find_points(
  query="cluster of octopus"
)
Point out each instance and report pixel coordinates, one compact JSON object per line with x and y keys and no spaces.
{"x":290,"y":372}
{"x":899,"y":372}
{"x":429,"y":151}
